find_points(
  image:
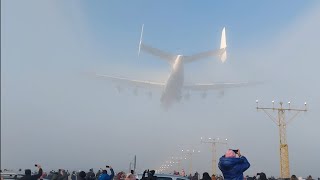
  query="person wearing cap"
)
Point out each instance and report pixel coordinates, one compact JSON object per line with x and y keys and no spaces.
{"x":233,"y":164}
{"x":28,"y":175}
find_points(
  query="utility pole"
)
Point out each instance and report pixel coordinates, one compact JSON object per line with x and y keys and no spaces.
{"x":214,"y":142}
{"x":282,"y":124}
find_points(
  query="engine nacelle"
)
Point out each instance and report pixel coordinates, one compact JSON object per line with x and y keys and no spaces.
{"x":119,"y":89}
{"x":187,"y":96}
{"x":135,"y":91}
{"x":221,"y":93}
{"x":204,"y":95}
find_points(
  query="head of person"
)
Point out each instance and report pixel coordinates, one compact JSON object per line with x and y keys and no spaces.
{"x":230,"y":154}
{"x":152,"y":172}
{"x":27,"y":172}
{"x":262,"y":176}
{"x":104,"y":171}
{"x":206,"y":175}
{"x":293,"y":177}
{"x":82,"y":174}
{"x":130,"y":177}
{"x":213,"y":177}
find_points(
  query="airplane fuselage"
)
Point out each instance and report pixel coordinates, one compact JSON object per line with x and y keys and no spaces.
{"x":173,"y":86}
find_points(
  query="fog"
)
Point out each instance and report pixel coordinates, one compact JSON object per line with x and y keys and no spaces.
{"x":56,"y":113}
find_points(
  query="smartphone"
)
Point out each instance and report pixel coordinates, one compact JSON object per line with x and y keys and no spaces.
{"x":107,"y":166}
{"x":36,"y":165}
{"x":235,"y":151}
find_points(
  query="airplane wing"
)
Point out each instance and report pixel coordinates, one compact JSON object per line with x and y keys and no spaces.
{"x":131,"y":82}
{"x":214,"y":86}
{"x":157,"y":52}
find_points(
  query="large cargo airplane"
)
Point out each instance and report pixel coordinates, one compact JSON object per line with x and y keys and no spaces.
{"x":173,"y":87}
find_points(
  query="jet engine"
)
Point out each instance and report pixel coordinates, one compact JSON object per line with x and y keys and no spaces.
{"x":135,"y":91}
{"x":204,"y":95}
{"x":187,"y":96}
{"x":119,"y":89}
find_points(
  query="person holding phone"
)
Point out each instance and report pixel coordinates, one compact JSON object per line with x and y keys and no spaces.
{"x":233,"y":164}
{"x":28,"y":175}
{"x":105,"y":175}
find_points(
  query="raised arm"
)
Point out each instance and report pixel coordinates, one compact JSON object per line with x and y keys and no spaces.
{"x":112,"y":173}
{"x":37,"y":176}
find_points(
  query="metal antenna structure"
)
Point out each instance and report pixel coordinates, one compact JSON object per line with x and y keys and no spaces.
{"x":214,"y":142}
{"x":282,"y":124}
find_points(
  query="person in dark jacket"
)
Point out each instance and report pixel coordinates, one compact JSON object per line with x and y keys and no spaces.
{"x":55,"y":176}
{"x":293,"y":177}
{"x":63,"y":175}
{"x":195,"y":176}
{"x":90,"y":175}
{"x":233,"y":164}
{"x":82,"y":175}
{"x":28,"y":175}
{"x":262,"y":176}
{"x":105,"y":175}
{"x":151,"y":175}
{"x":74,"y":175}
{"x":98,"y":174}
{"x":206,"y":176}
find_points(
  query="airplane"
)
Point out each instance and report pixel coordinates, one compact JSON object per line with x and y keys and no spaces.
{"x":172,"y":88}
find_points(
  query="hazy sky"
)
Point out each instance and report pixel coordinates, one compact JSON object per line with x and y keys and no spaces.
{"x":53,"y":111}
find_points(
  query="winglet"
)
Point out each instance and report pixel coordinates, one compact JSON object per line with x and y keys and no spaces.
{"x":223,"y":46}
{"x":140,"y":39}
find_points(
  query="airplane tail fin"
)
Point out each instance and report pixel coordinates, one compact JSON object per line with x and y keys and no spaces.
{"x":140,"y":42}
{"x":223,"y":46}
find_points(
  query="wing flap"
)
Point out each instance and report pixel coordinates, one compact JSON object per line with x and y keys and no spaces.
{"x":214,"y":86}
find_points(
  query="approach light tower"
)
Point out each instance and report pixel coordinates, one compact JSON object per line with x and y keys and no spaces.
{"x":282,"y":123}
{"x":214,"y":142}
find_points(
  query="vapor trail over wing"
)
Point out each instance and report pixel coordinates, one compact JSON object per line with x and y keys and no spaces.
{"x":135,"y":83}
{"x":215,"y":86}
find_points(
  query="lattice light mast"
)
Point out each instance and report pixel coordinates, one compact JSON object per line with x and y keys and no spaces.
{"x":214,"y":142}
{"x":190,"y":153}
{"x":282,"y":123}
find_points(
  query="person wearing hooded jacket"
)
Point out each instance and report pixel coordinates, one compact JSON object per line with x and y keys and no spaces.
{"x":233,"y":165}
{"x":28,"y":175}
